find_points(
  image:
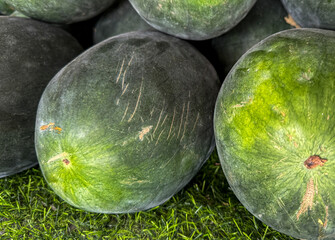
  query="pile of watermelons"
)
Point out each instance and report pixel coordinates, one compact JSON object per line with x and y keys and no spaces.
{"x":119,"y":102}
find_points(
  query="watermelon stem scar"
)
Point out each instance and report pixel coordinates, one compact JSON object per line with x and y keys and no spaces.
{"x":314,"y":161}
{"x":66,"y":161}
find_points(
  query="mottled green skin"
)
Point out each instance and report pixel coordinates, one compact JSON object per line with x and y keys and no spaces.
{"x":136,"y":115}
{"x":312,"y":13}
{"x":121,"y":18}
{"x":265,"y":18}
{"x":274,"y":110}
{"x":31,"y":54}
{"x":5,"y":9}
{"x":193,"y":19}
{"x":60,"y":11}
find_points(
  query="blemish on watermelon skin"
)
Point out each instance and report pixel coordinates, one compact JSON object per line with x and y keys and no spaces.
{"x":145,"y":130}
{"x":314,"y":161}
{"x":54,"y":158}
{"x":307,"y":201}
{"x":51,"y":127}
{"x":66,"y":161}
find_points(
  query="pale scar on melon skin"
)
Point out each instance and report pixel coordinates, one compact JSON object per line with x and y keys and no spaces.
{"x":307,"y":200}
{"x":51,"y":127}
{"x":242,"y":104}
{"x":324,"y":224}
{"x":145,"y":130}
{"x":137,"y":103}
{"x":64,"y":156}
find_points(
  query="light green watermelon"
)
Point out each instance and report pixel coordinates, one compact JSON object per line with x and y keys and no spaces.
{"x":274,"y":126}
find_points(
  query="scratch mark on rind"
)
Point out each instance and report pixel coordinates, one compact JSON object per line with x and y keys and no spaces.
{"x":121,"y":68}
{"x":125,"y":89}
{"x":159,"y":119}
{"x":238,"y":105}
{"x":137,"y":102}
{"x":152,"y":112}
{"x":307,"y":201}
{"x":174,"y":134}
{"x":326,"y":218}
{"x":125,"y":71}
{"x":159,"y":136}
{"x":174,"y":113}
{"x":167,"y":162}
{"x":125,"y":112}
{"x":195,"y":123}
{"x":58,"y":156}
{"x":181,"y":120}
{"x":133,"y":181}
{"x":144,"y":131}
{"x":186,"y":120}
{"x":164,"y":120}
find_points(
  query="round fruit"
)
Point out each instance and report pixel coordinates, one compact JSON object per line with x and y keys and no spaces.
{"x":128,"y":123}
{"x":31,"y":54}
{"x":312,"y":13}
{"x":121,"y":18}
{"x":274,"y":129}
{"x":265,"y":18}
{"x":193,"y":19}
{"x":60,"y":11}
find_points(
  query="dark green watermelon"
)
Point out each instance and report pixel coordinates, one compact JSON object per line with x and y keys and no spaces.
{"x":265,"y":18}
{"x":312,"y":13}
{"x":193,"y":19}
{"x":128,"y":123}
{"x":60,"y":11}
{"x":31,"y":54}
{"x":120,"y":18}
{"x":274,"y":126}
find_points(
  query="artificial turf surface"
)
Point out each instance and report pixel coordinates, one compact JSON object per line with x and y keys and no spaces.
{"x":205,"y":209}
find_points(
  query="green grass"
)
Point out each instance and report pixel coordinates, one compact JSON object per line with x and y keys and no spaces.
{"x":205,"y":209}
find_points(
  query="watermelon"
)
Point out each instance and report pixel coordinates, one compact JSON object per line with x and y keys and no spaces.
{"x":312,"y":13}
{"x":128,"y":123}
{"x":60,"y":11}
{"x":274,"y":125}
{"x":5,"y":9}
{"x":194,"y":19}
{"x":31,"y":54}
{"x":265,"y":18}
{"x":120,"y":18}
